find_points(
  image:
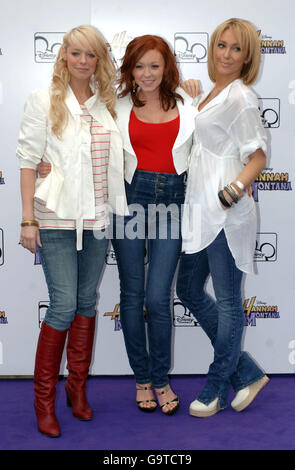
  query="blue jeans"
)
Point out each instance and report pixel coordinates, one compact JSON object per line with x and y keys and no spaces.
{"x":152,"y":294}
{"x":72,"y":276}
{"x":222,"y":320}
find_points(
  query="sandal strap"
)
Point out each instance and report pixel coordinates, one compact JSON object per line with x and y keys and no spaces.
{"x":166,"y":389}
{"x":176,"y":399}
{"x":145,"y":401}
{"x":143,"y":387}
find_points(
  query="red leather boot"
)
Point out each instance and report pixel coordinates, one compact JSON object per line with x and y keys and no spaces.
{"x":47,"y":364}
{"x":79,"y":353}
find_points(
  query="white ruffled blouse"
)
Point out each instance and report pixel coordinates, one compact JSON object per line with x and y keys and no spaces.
{"x":228,"y":130}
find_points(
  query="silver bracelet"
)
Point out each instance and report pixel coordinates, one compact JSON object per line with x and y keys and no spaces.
{"x":239,"y":184}
{"x":231,"y":193}
{"x":235,"y":190}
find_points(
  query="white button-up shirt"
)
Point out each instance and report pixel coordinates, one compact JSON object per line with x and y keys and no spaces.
{"x":228,"y":130}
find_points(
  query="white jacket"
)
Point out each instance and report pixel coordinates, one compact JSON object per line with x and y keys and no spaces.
{"x":68,"y":189}
{"x":182,"y":145}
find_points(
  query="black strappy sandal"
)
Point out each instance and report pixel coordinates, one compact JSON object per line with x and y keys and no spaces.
{"x":174,"y":400}
{"x":147,"y":409}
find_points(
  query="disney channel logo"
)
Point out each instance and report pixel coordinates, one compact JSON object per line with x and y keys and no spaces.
{"x":266,"y":247}
{"x":42,"y":309}
{"x":46,"y":46}
{"x":191,"y":47}
{"x":182,"y":317}
{"x":270,"y":112}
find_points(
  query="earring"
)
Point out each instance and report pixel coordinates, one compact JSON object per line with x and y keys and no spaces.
{"x":134,"y":86}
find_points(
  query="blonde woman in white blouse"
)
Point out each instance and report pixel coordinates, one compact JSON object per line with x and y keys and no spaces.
{"x":228,"y":153}
{"x":70,"y":125}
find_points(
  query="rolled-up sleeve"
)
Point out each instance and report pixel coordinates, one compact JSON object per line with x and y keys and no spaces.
{"x":32,"y":135}
{"x":248,"y":133}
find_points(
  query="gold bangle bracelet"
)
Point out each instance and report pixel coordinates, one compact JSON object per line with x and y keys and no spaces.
{"x":27,"y":223}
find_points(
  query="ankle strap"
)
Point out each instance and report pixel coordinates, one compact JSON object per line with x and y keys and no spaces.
{"x":165,"y":389}
{"x":144,"y":387}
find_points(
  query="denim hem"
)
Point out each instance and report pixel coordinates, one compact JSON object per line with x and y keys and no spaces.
{"x":252,"y":381}
{"x":53,"y":326}
{"x":143,"y":382}
{"x":160,"y":386}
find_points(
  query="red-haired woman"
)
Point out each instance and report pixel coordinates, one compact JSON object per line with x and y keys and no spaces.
{"x":156,"y":125}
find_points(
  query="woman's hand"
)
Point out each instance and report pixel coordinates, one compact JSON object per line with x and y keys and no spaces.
{"x":191,"y":87}
{"x":29,"y":237}
{"x":44,"y":168}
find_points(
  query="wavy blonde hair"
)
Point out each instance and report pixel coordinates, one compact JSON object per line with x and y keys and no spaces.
{"x":103,"y":79}
{"x":248,"y":38}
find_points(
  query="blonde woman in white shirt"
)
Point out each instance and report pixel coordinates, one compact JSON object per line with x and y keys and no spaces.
{"x":70,"y":125}
{"x":228,"y":154}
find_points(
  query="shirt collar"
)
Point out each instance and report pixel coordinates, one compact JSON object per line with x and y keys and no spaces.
{"x":73,"y":104}
{"x":218,"y":99}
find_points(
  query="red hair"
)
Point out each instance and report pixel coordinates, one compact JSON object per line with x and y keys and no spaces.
{"x":134,"y":51}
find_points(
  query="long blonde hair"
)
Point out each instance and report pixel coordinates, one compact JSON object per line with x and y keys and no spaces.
{"x":103,"y":79}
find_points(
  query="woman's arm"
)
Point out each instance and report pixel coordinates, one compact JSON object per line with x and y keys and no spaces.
{"x":29,"y":235}
{"x":248,"y":174}
{"x":253,"y":168}
{"x":191,"y":87}
{"x":30,"y":149}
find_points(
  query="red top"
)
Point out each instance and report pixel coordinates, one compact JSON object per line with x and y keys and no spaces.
{"x":153,"y":143}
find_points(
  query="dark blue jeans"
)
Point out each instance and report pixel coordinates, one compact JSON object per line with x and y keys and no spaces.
{"x":148,"y":288}
{"x":72,"y":276}
{"x":222,"y":320}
